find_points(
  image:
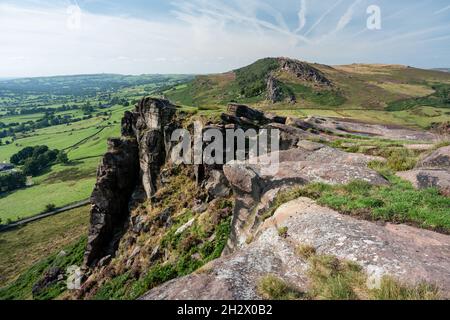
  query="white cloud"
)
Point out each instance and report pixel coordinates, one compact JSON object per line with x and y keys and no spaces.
{"x":36,"y":41}
{"x":302,"y":16}
{"x":347,"y":17}
{"x":442,"y":10}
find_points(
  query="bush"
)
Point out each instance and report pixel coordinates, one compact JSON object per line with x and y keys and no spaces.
{"x":50,"y":207}
{"x":12,"y":181}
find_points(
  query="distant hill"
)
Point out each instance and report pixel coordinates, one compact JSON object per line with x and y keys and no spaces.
{"x":80,"y":84}
{"x":442,"y":69}
{"x":287,"y":83}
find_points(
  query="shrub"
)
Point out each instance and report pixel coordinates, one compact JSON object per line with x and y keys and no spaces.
{"x":50,"y":207}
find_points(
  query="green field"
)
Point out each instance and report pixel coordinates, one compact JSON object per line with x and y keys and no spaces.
{"x":23,"y":247}
{"x":83,"y":141}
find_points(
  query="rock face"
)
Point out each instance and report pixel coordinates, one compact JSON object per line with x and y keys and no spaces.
{"x":432,"y":171}
{"x":255,"y":189}
{"x":408,"y":254}
{"x":304,"y":71}
{"x":117,"y":178}
{"x":154,"y":125}
{"x":131,"y":164}
{"x":275,"y":92}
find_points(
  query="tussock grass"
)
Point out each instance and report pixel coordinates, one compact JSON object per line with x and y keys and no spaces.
{"x":393,"y":290}
{"x":271,"y":287}
{"x":305,"y":251}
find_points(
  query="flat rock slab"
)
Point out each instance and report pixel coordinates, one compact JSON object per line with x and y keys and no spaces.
{"x":343,"y":126}
{"x":257,"y":185}
{"x":411,"y":255}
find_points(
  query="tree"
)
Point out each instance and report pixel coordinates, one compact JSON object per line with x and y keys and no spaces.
{"x":31,"y":167}
{"x":50,"y":207}
{"x":62,"y":157}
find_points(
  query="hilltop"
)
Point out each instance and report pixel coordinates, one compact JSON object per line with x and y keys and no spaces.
{"x":283,"y":84}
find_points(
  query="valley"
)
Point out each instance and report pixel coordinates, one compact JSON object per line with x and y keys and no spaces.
{"x":364,"y":146}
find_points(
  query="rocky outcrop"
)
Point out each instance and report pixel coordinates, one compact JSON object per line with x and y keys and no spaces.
{"x":154,"y":125}
{"x":130,"y":166}
{"x":275,"y":91}
{"x":345,"y":127}
{"x":433,"y":171}
{"x":304,"y":71}
{"x":117,"y":178}
{"x":409,"y":255}
{"x":256,"y":188}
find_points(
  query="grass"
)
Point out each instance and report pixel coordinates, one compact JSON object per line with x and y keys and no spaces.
{"x":61,"y":186}
{"x":21,"y":289}
{"x":393,"y":290}
{"x":184,"y":252}
{"x":398,"y":202}
{"x":23,"y":247}
{"x":305,"y":251}
{"x":271,"y":287}
{"x":398,"y":157}
{"x":330,"y":278}
{"x":439,"y":99}
{"x":334,"y":279}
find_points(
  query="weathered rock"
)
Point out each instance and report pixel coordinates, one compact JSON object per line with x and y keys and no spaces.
{"x":130,"y":168}
{"x":52,"y":276}
{"x":186,"y":226}
{"x":274,"y":92}
{"x":117,"y":177}
{"x":409,"y":255}
{"x":243,"y":111}
{"x":217,"y":185}
{"x":423,"y":179}
{"x":439,"y":159}
{"x":256,"y":185}
{"x":344,"y":127}
{"x":304,"y":71}
{"x":433,"y":171}
{"x":154,"y":126}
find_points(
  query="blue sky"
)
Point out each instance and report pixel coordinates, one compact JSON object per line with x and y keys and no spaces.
{"x":42,"y":37}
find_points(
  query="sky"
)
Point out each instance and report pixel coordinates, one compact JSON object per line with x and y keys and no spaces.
{"x":60,"y":37}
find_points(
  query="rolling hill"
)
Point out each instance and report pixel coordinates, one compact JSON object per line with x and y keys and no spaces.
{"x":283,"y":83}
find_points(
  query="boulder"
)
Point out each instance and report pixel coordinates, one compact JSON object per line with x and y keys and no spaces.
{"x":50,"y":277}
{"x":439,"y":159}
{"x":407,"y":254}
{"x":433,"y":171}
{"x":217,"y":185}
{"x":257,"y":185}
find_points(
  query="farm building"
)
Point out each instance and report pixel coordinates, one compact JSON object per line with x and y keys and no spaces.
{"x":6,"y":167}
